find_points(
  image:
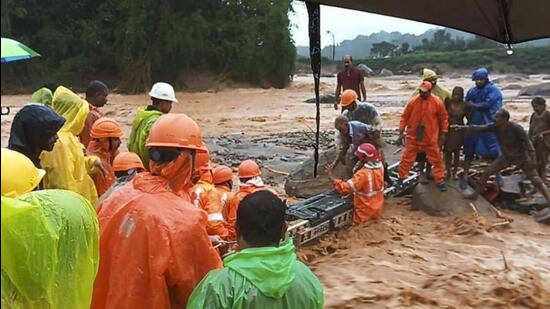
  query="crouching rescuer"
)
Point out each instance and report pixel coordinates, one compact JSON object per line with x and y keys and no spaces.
{"x":366,"y":185}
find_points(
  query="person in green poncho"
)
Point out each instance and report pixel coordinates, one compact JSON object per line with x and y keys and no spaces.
{"x":50,"y":241}
{"x":162,"y":97}
{"x":265,"y":273}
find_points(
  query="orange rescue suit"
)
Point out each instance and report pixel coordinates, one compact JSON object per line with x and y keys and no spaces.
{"x":224,"y":197}
{"x":432,"y":113}
{"x":154,"y":248}
{"x":100,"y":148}
{"x":205,"y":196}
{"x":230,"y":213}
{"x":367,"y":186}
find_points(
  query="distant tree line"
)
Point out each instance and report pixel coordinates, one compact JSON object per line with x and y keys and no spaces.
{"x":441,"y":41}
{"x":139,"y":42}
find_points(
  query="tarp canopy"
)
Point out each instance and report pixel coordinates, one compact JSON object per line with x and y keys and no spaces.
{"x":505,"y":21}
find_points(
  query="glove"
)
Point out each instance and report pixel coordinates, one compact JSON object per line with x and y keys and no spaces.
{"x":401,"y":140}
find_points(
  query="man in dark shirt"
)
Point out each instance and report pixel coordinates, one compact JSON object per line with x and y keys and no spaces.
{"x":516,"y":150}
{"x":350,"y":78}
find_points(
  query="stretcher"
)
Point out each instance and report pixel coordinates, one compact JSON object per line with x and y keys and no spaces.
{"x":329,"y":211}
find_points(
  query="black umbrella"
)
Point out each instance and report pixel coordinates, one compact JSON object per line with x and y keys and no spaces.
{"x":505,"y":21}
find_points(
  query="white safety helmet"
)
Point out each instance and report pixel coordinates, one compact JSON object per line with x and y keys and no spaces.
{"x":163,"y":91}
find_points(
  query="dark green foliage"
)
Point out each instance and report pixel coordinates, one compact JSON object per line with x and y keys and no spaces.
{"x":132,"y":44}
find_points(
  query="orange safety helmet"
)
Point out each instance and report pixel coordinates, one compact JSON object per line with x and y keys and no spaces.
{"x":125,"y":161}
{"x":348,"y":97}
{"x":202,"y":161}
{"x":221,"y":174}
{"x":249,"y":169}
{"x":106,"y":127}
{"x":176,"y":130}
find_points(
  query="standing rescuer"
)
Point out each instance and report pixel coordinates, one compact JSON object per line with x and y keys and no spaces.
{"x":34,"y":130}
{"x":96,"y":96}
{"x":126,"y":166}
{"x":249,"y":181}
{"x":154,"y":244}
{"x":367,"y":185}
{"x":105,"y":134}
{"x":162,"y":97}
{"x":50,"y":241}
{"x":66,"y":165}
{"x":350,"y":78}
{"x":426,"y":123}
{"x":223,"y":180}
{"x":204,"y":195}
{"x":265,"y":272}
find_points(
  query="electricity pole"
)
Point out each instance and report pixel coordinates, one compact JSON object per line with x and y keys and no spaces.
{"x":333,"y":44}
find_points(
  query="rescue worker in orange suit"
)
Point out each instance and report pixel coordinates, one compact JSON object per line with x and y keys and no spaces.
{"x":204,"y":195}
{"x":223,"y":180}
{"x":126,"y":166}
{"x":249,"y":181}
{"x":105,"y":134}
{"x":366,"y":185}
{"x":426,"y":123}
{"x":154,"y":248}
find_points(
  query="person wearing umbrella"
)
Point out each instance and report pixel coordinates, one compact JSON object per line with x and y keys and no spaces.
{"x":96,"y":96}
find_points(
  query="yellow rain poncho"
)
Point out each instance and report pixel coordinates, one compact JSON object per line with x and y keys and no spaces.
{"x":66,"y":165}
{"x":440,"y":92}
{"x":50,"y":250}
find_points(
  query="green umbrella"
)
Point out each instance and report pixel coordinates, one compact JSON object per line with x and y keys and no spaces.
{"x":15,"y":51}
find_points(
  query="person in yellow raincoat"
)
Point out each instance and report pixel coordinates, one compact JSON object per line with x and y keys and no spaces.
{"x":66,"y":166}
{"x":162,"y":97}
{"x":204,"y":195}
{"x":154,"y":244}
{"x":366,"y":185}
{"x":50,"y":241}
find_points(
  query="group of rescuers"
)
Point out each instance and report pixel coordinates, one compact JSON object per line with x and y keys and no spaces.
{"x":84,"y":225}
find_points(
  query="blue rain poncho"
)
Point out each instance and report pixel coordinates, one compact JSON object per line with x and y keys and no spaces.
{"x":487,"y":101}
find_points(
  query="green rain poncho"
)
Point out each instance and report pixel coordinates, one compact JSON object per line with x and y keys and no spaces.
{"x":42,"y":95}
{"x":140,"y":131}
{"x":268,"y":277}
{"x":50,"y":250}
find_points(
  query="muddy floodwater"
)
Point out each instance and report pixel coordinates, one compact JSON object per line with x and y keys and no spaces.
{"x":405,"y":259}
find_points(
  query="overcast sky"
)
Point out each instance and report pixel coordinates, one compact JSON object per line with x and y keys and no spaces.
{"x":347,"y":24}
